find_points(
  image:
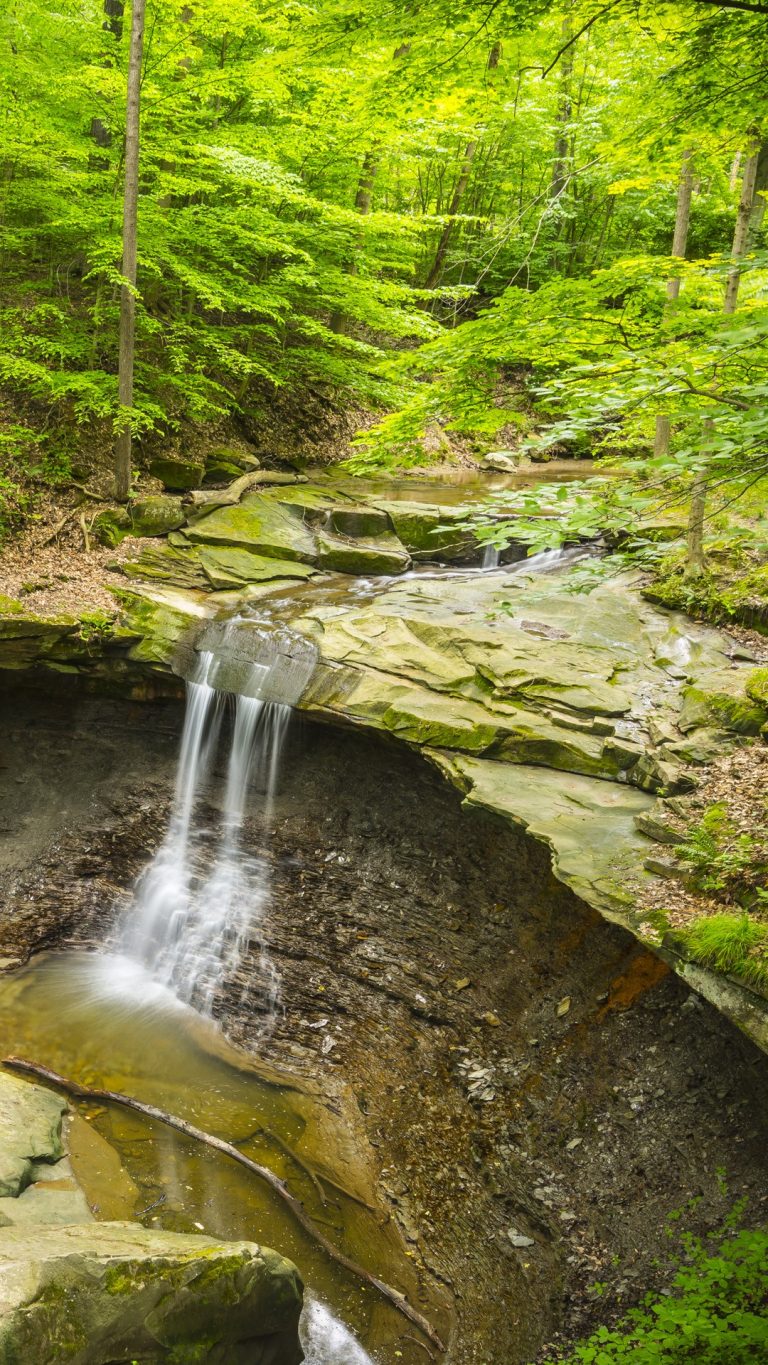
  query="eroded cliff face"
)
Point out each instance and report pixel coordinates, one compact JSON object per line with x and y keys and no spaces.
{"x":534,"y":1088}
{"x":570,"y":715}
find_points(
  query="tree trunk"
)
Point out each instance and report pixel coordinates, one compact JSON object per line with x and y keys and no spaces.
{"x":679,"y":242}
{"x":741,"y":231}
{"x":455,"y":205}
{"x":363,"y":200}
{"x":758,"y":201}
{"x":127,"y":295}
{"x":695,"y":565}
{"x":564,"y":111}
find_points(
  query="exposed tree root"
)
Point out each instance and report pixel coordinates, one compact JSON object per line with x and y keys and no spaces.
{"x":81,"y":1092}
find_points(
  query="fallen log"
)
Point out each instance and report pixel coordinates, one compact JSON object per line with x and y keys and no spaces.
{"x":81,"y":1092}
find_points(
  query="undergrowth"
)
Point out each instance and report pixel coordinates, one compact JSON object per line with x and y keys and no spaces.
{"x":723,"y":859}
{"x":716,"y":1312}
{"x":733,"y":943}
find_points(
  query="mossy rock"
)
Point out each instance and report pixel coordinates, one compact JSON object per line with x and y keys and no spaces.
{"x":259,"y":524}
{"x":703,"y":710}
{"x":221,"y":472}
{"x":176,"y":473}
{"x":431,"y":532}
{"x":96,"y":1292}
{"x":157,"y":620}
{"x":156,"y":515}
{"x":234,"y":568}
{"x":30,"y":1131}
{"x":234,"y":456}
{"x":756,"y":686}
{"x":360,"y":522}
{"x":179,"y":566}
{"x":382,"y":555}
{"x":112,"y":526}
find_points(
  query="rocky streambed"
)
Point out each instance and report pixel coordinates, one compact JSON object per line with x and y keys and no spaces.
{"x":504,"y":1059}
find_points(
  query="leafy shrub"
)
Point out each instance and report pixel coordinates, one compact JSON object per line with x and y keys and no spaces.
{"x":716,"y":1314}
{"x":720,"y":858}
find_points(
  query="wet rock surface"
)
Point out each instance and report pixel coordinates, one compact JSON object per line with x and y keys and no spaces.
{"x":103,"y":1292}
{"x":538,"y":1091}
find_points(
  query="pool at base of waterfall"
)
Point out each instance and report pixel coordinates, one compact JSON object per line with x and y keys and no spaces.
{"x":107,"y":1025}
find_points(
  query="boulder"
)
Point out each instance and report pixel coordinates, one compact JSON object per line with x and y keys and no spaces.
{"x":239,"y":459}
{"x":258,"y":524}
{"x":431,"y":532}
{"x":26,"y":637}
{"x":179,"y":566}
{"x":359,"y":521}
{"x":220,"y":471}
{"x":383,"y":554}
{"x":156,"y":515}
{"x":177,"y":473}
{"x":112,"y":526}
{"x":504,"y":461}
{"x":98,"y":1293}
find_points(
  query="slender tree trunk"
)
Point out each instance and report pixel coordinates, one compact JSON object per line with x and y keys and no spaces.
{"x":363,"y":201}
{"x":695,"y":565}
{"x":679,"y":243}
{"x":741,"y":232}
{"x":757,"y":214}
{"x":564,"y":112}
{"x":455,"y":204}
{"x":126,"y":340}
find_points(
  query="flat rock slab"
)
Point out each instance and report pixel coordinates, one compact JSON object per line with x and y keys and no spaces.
{"x":589,"y":825}
{"x":103,"y":1292}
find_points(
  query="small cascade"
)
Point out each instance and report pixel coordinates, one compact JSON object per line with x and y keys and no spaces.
{"x":327,"y":1341}
{"x":202,"y":900}
{"x":491,"y":557}
{"x":544,"y":561}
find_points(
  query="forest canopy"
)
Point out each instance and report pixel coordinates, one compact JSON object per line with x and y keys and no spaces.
{"x":466,"y":214}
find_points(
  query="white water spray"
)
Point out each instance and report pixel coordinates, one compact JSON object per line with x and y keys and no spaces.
{"x":327,"y":1341}
{"x":202,"y":899}
{"x":491,"y":557}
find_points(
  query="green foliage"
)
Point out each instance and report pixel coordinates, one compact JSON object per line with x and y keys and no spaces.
{"x":715,"y":1312}
{"x":307,"y":170}
{"x":720,"y":857}
{"x":737,"y":944}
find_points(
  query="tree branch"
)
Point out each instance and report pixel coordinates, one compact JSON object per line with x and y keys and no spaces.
{"x":81,"y":1092}
{"x":578,"y":35}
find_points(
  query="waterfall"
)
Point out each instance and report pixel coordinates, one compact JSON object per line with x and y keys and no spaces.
{"x":490,"y":557}
{"x":202,"y":898}
{"x":327,"y":1341}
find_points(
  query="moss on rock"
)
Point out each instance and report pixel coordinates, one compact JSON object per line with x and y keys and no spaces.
{"x":704,"y":709}
{"x":100,"y":1292}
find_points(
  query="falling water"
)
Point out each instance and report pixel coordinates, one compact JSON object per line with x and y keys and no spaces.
{"x":327,"y":1341}
{"x":202,"y":899}
{"x":490,"y":557}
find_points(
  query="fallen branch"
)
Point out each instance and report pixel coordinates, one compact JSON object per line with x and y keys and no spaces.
{"x":81,"y":1092}
{"x":89,"y":493}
